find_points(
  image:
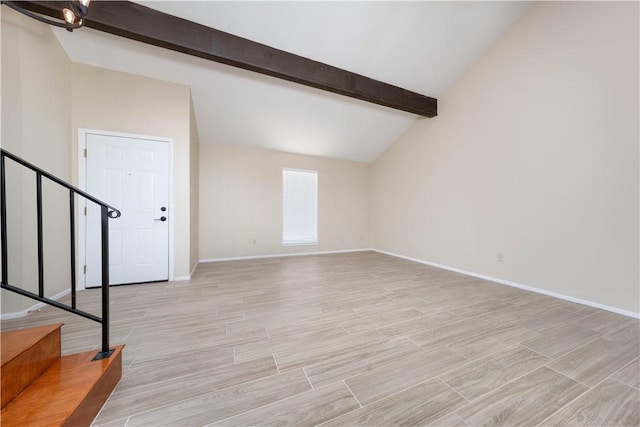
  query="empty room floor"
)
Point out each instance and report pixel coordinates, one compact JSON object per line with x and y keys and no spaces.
{"x":356,"y":339}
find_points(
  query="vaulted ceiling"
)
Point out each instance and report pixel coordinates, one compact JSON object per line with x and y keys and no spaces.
{"x":420,"y":46}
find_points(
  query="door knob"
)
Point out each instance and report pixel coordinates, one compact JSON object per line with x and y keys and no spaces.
{"x":162,"y":218}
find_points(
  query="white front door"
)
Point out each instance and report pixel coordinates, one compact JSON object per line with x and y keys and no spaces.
{"x":132,"y":175}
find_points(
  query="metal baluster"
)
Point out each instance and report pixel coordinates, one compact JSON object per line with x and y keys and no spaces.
{"x":107,"y":212}
{"x":72,"y":238}
{"x":3,"y":219}
{"x":104,"y":217}
{"x":40,"y":237}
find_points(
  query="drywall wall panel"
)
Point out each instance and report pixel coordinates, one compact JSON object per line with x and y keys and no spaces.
{"x":533,"y":159}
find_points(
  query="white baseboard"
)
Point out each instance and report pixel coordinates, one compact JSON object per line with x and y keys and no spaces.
{"x":190,"y":274}
{"x":193,"y":270}
{"x":23,"y":313}
{"x":344,"y":251}
{"x":519,"y":286}
{"x":16,"y":315}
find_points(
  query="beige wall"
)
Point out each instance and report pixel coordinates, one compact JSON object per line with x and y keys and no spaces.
{"x":534,"y":155}
{"x":42,"y":110}
{"x":241,"y":202}
{"x":36,"y":106}
{"x":194,"y":187}
{"x":120,"y":102}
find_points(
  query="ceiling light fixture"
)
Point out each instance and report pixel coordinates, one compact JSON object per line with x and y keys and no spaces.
{"x":72,"y":16}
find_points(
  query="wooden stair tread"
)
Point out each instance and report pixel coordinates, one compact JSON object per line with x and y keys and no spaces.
{"x":74,"y":381}
{"x":26,"y":353}
{"x":16,"y":342}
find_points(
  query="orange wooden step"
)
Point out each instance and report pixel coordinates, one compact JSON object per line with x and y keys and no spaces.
{"x":69,"y":393}
{"x":26,"y":353}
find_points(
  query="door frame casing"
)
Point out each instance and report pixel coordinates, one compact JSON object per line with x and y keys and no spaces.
{"x":81,"y":226}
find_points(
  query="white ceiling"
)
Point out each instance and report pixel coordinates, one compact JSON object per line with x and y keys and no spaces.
{"x":421,"y":46}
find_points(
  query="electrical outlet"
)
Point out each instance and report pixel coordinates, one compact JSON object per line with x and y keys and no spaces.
{"x":500,"y":258}
{"x":254,"y":241}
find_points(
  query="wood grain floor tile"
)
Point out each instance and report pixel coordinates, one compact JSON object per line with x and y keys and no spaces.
{"x":322,"y":320}
{"x":418,"y":405}
{"x":451,"y":333}
{"x":481,"y":308}
{"x":523,"y":402}
{"x":451,"y":420}
{"x":358,"y":361}
{"x":595,"y":361}
{"x":392,"y":303}
{"x":487,"y":342}
{"x":561,"y":340}
{"x":517,"y":313}
{"x":306,"y":409}
{"x":158,"y":370}
{"x":371,"y":321}
{"x":552,"y":304}
{"x":519,"y":298}
{"x":222,"y":337}
{"x":628,"y":334}
{"x":336,"y":347}
{"x":629,"y":375}
{"x":116,"y":423}
{"x":357,"y":301}
{"x":146,"y":329}
{"x":609,"y":404}
{"x":312,"y":338}
{"x":410,"y":327}
{"x":405,"y":372}
{"x":210,"y":407}
{"x":177,"y":336}
{"x":604,"y":321}
{"x":492,"y":372}
{"x":129,"y":398}
{"x":551,"y":319}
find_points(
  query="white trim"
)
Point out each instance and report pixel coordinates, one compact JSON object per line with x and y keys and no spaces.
{"x":190,"y":274}
{"x":82,"y":184}
{"x":313,"y":243}
{"x":23,"y":313}
{"x":240,"y":258}
{"x":194,"y":269}
{"x":314,"y":171}
{"x":172,"y":213}
{"x":519,"y":286}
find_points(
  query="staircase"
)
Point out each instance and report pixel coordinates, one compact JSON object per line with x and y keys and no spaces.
{"x":39,"y":387}
{"x":42,"y":388}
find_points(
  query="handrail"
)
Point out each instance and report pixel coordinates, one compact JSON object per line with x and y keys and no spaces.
{"x":106,"y":211}
{"x":57,"y":180}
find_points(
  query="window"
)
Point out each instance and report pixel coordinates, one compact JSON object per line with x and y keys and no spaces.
{"x":300,"y":207}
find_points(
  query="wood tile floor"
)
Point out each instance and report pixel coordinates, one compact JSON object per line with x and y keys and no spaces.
{"x":357,"y":339}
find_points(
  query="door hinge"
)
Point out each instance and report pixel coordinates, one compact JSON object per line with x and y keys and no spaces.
{"x":84,"y":270}
{"x":85,"y":211}
{"x":85,"y":153}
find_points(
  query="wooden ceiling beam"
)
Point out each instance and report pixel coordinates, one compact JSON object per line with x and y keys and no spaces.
{"x":143,"y":24}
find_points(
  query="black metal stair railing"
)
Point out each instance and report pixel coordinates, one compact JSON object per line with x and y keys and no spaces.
{"x":106,"y":212}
